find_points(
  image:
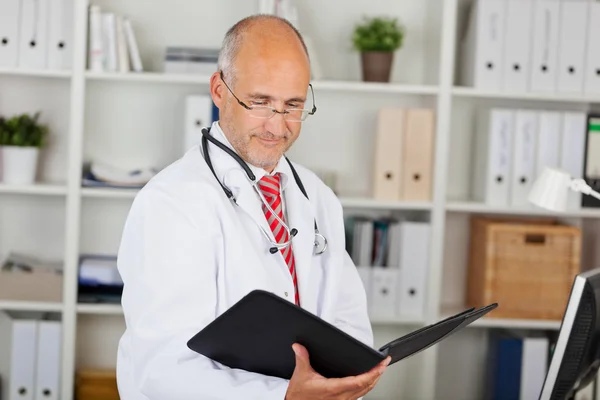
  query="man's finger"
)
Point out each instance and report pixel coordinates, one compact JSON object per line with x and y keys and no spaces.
{"x":302,"y":357}
{"x":353,"y":384}
{"x":368,"y":388}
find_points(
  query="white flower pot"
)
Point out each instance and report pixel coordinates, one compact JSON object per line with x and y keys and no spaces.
{"x":19,"y":165}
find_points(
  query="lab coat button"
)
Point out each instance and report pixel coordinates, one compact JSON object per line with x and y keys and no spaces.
{"x":286,"y":294}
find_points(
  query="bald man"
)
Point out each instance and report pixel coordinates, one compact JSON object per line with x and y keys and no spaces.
{"x":188,"y":252}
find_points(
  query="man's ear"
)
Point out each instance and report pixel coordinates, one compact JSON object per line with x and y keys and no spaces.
{"x":217,"y":90}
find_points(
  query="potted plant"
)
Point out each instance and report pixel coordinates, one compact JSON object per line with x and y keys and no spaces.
{"x":377,"y":38}
{"x":21,"y":138}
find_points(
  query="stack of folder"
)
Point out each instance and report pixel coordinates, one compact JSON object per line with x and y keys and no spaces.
{"x":392,"y":258}
{"x":403,"y":159}
{"x":513,"y":146}
{"x":516,"y":365}
{"x":532,"y":45}
{"x":112,"y":42}
{"x":30,"y":358}
{"x":36,"y":34}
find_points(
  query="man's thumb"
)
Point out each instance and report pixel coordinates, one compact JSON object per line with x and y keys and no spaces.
{"x":302,"y":359}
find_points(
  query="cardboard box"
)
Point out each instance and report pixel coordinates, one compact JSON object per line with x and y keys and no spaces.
{"x":31,"y":286}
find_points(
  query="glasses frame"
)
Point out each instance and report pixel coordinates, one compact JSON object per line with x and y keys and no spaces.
{"x":275,"y":111}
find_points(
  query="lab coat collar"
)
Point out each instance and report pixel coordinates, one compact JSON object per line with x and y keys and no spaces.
{"x":300,"y":213}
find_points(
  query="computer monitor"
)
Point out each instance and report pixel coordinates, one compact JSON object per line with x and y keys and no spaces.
{"x":576,"y":356}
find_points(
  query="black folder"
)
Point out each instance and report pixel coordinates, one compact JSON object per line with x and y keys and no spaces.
{"x":256,"y":334}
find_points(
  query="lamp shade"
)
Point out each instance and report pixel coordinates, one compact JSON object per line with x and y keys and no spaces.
{"x":551,"y":189}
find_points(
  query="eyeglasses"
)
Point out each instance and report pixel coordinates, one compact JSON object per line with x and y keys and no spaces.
{"x":266,"y":112}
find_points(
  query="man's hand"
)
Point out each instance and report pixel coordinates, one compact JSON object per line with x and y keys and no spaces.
{"x":306,"y":383}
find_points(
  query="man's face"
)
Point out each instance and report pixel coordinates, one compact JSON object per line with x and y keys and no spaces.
{"x":278,"y":82}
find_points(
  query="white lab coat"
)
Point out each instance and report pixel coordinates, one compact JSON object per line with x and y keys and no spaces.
{"x":188,"y":254}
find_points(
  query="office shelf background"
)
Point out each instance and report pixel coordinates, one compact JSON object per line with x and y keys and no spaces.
{"x":135,"y":119}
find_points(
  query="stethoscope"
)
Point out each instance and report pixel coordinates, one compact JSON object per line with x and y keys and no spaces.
{"x":320,"y":244}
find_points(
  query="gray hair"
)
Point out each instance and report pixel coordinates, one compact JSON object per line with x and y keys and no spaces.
{"x":234,"y":39}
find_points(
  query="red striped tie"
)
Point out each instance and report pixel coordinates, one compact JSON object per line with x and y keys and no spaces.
{"x":270,"y":188}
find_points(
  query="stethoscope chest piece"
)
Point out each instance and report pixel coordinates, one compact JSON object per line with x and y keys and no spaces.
{"x":320,"y":243}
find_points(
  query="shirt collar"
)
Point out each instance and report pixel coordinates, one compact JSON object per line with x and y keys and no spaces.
{"x":283,"y":168}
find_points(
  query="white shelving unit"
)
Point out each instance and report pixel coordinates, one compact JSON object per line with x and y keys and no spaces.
{"x":134,"y":119}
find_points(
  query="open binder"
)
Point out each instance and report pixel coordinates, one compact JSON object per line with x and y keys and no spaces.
{"x":256,"y":335}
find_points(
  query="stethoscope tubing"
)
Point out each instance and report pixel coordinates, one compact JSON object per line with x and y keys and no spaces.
{"x":252,"y":178}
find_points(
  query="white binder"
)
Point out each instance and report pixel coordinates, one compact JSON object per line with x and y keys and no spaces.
{"x":33,"y":35}
{"x":414,"y":266}
{"x":18,"y":348}
{"x":387,"y":163}
{"x":198,"y":115}
{"x":544,"y":45}
{"x":483,"y":45}
{"x":47,"y":386}
{"x":548,"y":152}
{"x":384,"y":289}
{"x":523,"y":169}
{"x":123,"y":56}
{"x":572,"y":45}
{"x":60,"y":34}
{"x":109,"y":39}
{"x":534,"y":359}
{"x":592,"y":69}
{"x":366,"y":276}
{"x":96,"y":52}
{"x":517,"y":45}
{"x":572,"y":151}
{"x":493,"y":157}
{"x":10,"y":15}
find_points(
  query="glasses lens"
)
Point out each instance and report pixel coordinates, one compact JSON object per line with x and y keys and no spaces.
{"x":296,"y":115}
{"x":261,"y":112}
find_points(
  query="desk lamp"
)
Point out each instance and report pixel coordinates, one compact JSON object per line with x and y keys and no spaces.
{"x":551,"y":189}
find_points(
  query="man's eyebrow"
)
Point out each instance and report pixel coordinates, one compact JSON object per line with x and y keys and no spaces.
{"x":263,"y":96}
{"x":259,"y":96}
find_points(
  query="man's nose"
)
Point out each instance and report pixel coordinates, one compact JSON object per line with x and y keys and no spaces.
{"x":276,"y":124}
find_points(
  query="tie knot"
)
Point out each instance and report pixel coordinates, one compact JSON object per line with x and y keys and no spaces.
{"x":269,"y":185}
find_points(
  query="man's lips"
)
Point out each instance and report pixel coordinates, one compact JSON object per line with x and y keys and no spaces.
{"x":270,"y":142}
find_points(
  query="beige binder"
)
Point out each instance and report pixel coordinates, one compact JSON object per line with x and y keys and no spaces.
{"x":418,"y":148}
{"x":387,"y":179}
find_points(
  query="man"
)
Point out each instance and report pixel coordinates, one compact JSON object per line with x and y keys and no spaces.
{"x":188,"y":253}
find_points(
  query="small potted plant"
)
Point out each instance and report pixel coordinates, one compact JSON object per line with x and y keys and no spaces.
{"x":377,"y":38}
{"x":21,"y":138}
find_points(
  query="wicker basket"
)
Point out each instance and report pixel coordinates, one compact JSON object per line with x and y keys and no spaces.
{"x":527,"y":268}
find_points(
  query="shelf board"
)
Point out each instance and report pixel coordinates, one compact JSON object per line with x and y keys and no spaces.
{"x":503,"y":323}
{"x":335,"y":85}
{"x":516,"y":324}
{"x":99,"y":309}
{"x":109,"y":193}
{"x":553,"y":97}
{"x":378,"y":87}
{"x":358,"y":202}
{"x":46,"y":189}
{"x":150,"y":77}
{"x":36,"y":72}
{"x":481,"y":208}
{"x":349,"y":202}
{"x":116,"y":309}
{"x":10,"y":305}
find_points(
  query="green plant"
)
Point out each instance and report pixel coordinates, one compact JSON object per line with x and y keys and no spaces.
{"x":23,"y":130}
{"x":378,"y":34}
{"x":4,"y":132}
